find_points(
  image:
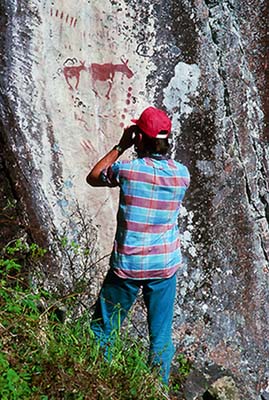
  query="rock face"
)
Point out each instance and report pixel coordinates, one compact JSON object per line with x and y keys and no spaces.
{"x":74,"y":73}
{"x":213,"y":384}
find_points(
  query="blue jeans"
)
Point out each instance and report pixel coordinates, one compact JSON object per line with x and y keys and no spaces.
{"x":115,"y":300}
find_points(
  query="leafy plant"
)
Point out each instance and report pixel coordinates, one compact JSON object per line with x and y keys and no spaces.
{"x":180,"y":374}
{"x":184,"y":365}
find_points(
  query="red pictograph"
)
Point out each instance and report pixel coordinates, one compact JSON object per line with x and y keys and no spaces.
{"x":98,"y":72}
{"x":73,"y":71}
{"x":61,"y":14}
{"x":106,"y":73}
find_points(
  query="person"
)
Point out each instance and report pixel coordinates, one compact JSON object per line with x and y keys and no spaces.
{"x":146,"y":252}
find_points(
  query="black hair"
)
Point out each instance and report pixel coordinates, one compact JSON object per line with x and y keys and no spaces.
{"x":153,"y":145}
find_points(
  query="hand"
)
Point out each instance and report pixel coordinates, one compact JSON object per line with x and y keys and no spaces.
{"x":128,"y":137}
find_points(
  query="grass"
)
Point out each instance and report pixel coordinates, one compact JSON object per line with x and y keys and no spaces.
{"x":43,"y":358}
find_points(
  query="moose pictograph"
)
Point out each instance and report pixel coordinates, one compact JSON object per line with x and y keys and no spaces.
{"x":98,"y":72}
{"x":106,"y":72}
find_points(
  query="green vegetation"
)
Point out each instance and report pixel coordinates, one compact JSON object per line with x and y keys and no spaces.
{"x":46,"y":359}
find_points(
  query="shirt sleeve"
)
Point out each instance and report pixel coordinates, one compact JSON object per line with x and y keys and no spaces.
{"x":187,"y":177}
{"x":110,"y":175}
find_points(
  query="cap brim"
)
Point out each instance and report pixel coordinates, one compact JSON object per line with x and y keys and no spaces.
{"x":134,"y":120}
{"x":162,"y":136}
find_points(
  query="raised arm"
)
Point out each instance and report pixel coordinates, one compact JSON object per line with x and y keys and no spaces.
{"x":126,"y":141}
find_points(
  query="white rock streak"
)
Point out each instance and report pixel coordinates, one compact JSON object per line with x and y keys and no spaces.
{"x":177,"y":100}
{"x":177,"y":95}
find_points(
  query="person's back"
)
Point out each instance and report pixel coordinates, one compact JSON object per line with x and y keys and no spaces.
{"x":147,"y":240}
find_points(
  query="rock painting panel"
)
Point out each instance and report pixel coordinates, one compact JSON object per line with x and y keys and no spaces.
{"x":98,"y":72}
{"x":92,"y":59}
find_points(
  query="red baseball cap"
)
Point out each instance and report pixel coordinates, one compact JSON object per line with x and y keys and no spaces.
{"x":153,"y":122}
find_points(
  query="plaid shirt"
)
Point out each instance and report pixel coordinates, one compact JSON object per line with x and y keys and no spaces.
{"x":147,"y":244}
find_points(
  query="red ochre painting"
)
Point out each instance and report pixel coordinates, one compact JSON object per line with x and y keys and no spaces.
{"x":98,"y":72}
{"x":72,"y":21}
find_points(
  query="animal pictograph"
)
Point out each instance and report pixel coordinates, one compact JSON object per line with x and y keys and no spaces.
{"x":73,"y":71}
{"x":98,"y":72}
{"x":106,"y":73}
